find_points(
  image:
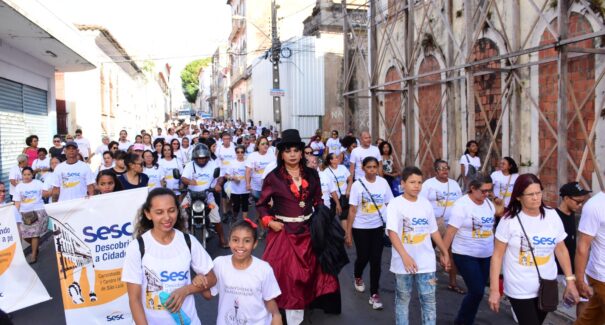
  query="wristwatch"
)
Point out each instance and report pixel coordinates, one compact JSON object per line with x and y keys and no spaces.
{"x":570,"y":278}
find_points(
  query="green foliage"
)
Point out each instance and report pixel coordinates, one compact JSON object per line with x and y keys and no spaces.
{"x":189,"y":78}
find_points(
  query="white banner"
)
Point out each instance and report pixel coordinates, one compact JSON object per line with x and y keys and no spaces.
{"x":91,"y":236}
{"x":20,"y":286}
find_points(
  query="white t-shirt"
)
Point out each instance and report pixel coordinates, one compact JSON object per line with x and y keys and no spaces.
{"x":30,"y":196}
{"x":500,"y":181}
{"x":592,"y":223}
{"x":15,"y":174}
{"x":186,"y":154}
{"x":520,"y":276}
{"x":168,"y":166}
{"x":317,"y":146}
{"x":225,"y":156}
{"x":237,"y":169}
{"x":73,"y":180}
{"x":334,"y":145}
{"x":414,"y":222}
{"x":257,"y":164}
{"x":83,"y":146}
{"x":367,"y":216}
{"x":327,"y":187}
{"x":243,"y":293}
{"x":41,"y":164}
{"x":202,"y":176}
{"x":359,"y":154}
{"x":124,"y":145}
{"x":165,"y":268}
{"x":475,"y":161}
{"x":475,"y":224}
{"x":341,"y":174}
{"x":101,"y":149}
{"x":441,"y":195}
{"x":155,"y":176}
{"x":250,"y":148}
{"x":179,"y":157}
{"x":49,"y":183}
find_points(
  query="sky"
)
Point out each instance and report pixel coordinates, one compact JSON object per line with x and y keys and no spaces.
{"x":166,"y":31}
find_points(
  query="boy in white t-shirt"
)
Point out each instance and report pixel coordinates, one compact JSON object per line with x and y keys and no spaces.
{"x":411,"y":225}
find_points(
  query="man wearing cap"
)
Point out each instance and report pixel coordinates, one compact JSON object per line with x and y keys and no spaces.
{"x":73,"y":178}
{"x":591,"y":240}
{"x":83,"y":146}
{"x":573,"y":197}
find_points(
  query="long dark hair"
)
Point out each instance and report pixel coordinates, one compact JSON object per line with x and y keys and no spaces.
{"x":142,"y":224}
{"x":171,"y":150}
{"x":523,"y":182}
{"x":110,"y":173}
{"x":514,"y":169}
{"x":154,"y":163}
{"x":468,"y":145}
{"x":281,"y":165}
{"x":381,"y":148}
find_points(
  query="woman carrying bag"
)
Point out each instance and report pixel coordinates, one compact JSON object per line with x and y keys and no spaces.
{"x":341,"y":176}
{"x":527,"y":239}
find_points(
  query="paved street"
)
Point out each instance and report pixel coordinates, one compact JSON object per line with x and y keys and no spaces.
{"x":356,"y":309}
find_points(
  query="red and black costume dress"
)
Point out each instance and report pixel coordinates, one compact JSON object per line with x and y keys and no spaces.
{"x":289,"y":252}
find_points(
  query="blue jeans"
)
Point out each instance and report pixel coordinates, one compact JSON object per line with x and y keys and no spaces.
{"x":426,"y":284}
{"x":475,"y":272}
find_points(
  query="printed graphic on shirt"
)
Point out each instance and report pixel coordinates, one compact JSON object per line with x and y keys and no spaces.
{"x":202,"y":178}
{"x":152,"y":292}
{"x":543,"y":246}
{"x":259,"y":167}
{"x":483,"y":227}
{"x":415,"y":230}
{"x":29,"y":196}
{"x":445,"y":199}
{"x":367,"y":206}
{"x":70,"y":179}
{"x":233,"y":317}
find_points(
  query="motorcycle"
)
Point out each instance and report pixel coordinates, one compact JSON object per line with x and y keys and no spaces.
{"x":198,"y":212}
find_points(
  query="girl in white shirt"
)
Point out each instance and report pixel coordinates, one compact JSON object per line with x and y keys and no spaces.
{"x":28,"y":200}
{"x":246,"y":285}
{"x":163,"y":263}
{"x":504,"y":180}
{"x":41,"y":165}
{"x":153,"y":171}
{"x":468,"y":159}
{"x":470,"y":233}
{"x":177,"y":152}
{"x":528,"y":225}
{"x":341,"y":177}
{"x":367,"y":205}
{"x":236,"y":173}
{"x":169,"y":163}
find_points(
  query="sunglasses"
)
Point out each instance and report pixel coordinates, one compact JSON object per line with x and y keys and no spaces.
{"x":56,"y":140}
{"x":263,"y":143}
{"x":443,"y":168}
{"x":114,"y":148}
{"x":308,"y":152}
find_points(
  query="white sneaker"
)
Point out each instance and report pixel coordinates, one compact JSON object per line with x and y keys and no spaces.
{"x":359,"y":285}
{"x":375,"y":302}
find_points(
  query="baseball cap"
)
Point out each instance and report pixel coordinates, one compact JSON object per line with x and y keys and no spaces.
{"x":71,"y":143}
{"x":138,"y":146}
{"x":572,"y":189}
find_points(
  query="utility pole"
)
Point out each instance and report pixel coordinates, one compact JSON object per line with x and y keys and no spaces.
{"x":373,"y":62}
{"x":275,"y":54}
{"x":345,"y":70}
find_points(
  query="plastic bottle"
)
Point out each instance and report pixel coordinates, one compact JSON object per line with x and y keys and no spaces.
{"x":179,"y":317}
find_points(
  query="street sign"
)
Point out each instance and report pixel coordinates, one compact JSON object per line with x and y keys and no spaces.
{"x":277,"y":92}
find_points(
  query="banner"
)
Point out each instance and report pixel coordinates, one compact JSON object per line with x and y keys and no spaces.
{"x":91,"y":236}
{"x":20,"y":286}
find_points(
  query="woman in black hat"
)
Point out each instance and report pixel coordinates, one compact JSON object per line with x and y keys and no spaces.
{"x":295,"y":191}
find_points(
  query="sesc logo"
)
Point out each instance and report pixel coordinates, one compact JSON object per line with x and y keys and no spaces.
{"x":174,"y":276}
{"x":420,"y":222}
{"x":116,"y":316}
{"x":104,"y":233}
{"x":543,"y":240}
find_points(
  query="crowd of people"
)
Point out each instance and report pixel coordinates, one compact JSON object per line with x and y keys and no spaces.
{"x":313,"y":200}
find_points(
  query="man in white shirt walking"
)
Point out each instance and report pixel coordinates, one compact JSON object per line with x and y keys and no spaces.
{"x":83,"y":146}
{"x":366,"y":149}
{"x":591,"y":240}
{"x":73,"y":178}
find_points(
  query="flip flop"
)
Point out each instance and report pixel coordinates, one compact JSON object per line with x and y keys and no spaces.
{"x":456,"y":289}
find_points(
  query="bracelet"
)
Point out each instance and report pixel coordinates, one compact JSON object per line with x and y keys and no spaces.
{"x":266,"y":220}
{"x":570,"y":278}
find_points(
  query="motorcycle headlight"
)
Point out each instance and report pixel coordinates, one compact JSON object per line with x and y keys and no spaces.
{"x":198,"y":206}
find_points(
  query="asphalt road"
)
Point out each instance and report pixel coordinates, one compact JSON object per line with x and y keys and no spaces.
{"x":356,"y":309}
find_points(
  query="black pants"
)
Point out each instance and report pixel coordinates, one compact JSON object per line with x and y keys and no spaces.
{"x":527,"y":311}
{"x":369,"y":245}
{"x":239,"y":201}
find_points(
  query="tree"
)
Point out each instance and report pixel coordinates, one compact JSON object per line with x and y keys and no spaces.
{"x":189,"y":78}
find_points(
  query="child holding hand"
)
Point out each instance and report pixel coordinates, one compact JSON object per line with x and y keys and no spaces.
{"x":246,"y":285}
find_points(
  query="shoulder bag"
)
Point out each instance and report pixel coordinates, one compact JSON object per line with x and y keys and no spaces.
{"x":548,"y":292}
{"x":29,"y":217}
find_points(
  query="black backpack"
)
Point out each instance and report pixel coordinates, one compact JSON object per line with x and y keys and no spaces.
{"x":142,"y":244}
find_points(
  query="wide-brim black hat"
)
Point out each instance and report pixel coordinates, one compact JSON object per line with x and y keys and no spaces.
{"x":290,"y":138}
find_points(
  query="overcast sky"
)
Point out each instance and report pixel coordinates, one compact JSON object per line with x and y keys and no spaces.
{"x":173,"y":31}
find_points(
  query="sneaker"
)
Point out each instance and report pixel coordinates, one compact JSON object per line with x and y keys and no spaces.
{"x":359,"y":285}
{"x":375,"y":302}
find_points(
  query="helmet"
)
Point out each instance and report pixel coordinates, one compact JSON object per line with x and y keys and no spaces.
{"x":200,"y":151}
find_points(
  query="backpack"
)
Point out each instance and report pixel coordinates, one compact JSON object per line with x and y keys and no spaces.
{"x":142,"y":244}
{"x":472,"y":170}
